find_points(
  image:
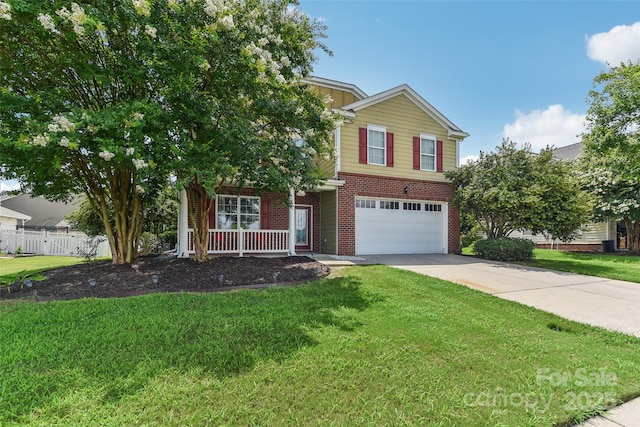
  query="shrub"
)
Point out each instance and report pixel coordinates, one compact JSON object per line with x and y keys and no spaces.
{"x":469,"y":239}
{"x":149,"y":243}
{"x":504,"y":249}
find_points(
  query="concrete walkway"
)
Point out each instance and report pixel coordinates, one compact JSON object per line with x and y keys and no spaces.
{"x":610,"y":304}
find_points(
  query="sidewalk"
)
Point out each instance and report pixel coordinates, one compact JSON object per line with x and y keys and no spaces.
{"x":610,"y":304}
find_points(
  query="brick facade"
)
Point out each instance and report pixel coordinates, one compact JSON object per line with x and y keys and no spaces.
{"x":355,"y":185}
{"x":383,"y":187}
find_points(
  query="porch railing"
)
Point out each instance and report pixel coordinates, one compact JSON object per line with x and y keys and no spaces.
{"x":243,"y":241}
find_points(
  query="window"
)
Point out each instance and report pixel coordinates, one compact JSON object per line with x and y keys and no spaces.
{"x":376,"y":137}
{"x":364,"y":203}
{"x":411,"y":206}
{"x":389,"y":205}
{"x":432,"y":207}
{"x":427,"y":152}
{"x":235,"y":212}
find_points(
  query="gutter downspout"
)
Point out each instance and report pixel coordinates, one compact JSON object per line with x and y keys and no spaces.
{"x":292,"y":222}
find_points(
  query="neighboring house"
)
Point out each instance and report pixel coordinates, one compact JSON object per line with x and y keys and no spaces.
{"x":386,"y":192}
{"x":11,"y":220}
{"x":592,"y":234}
{"x":43,"y":214}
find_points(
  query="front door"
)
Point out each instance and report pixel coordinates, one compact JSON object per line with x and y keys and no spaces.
{"x":303,"y":228}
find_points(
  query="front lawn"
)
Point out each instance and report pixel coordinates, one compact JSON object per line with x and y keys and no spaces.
{"x":367,"y":346}
{"x":619,"y":267}
{"x":33,"y":264}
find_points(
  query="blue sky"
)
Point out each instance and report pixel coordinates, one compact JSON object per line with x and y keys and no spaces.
{"x":518,"y":69}
{"x":521,"y":69}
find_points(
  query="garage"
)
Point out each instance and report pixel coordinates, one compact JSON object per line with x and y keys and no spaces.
{"x":386,"y":226}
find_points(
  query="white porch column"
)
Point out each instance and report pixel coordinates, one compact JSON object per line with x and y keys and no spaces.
{"x":183,"y":224}
{"x":292,"y":222}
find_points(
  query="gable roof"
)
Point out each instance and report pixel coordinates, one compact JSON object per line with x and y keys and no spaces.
{"x":452,"y":129}
{"x":334,"y":84}
{"x":8,"y":213}
{"x":42,"y":213}
{"x":569,"y":152}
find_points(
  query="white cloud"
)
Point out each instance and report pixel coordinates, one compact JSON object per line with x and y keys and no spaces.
{"x":9,"y":186}
{"x":553,"y":126}
{"x":469,"y":158}
{"x":620,"y":44}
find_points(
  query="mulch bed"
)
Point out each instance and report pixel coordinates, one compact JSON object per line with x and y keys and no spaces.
{"x":173,"y":275}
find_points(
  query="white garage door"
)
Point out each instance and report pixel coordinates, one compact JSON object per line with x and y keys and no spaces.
{"x":400,"y":227}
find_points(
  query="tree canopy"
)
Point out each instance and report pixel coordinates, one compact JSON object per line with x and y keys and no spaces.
{"x":513,"y":189}
{"x":109,"y":98}
{"x":611,"y":160}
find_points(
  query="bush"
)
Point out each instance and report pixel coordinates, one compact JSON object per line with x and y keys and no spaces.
{"x":148,"y":244}
{"x":504,"y":249}
{"x":469,"y":239}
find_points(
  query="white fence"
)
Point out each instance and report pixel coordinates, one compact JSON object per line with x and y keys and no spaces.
{"x":49,"y":243}
{"x":244,"y":241}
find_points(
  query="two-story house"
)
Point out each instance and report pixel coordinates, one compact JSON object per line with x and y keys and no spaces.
{"x":387,"y":192}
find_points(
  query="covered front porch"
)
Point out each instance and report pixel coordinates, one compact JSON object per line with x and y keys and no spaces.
{"x":245,"y":222}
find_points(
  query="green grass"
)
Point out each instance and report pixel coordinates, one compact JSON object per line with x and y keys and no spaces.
{"x":34,"y":264}
{"x":367,"y":346}
{"x":619,"y":267}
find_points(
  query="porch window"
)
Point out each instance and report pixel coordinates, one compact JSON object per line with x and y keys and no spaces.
{"x":235,"y":212}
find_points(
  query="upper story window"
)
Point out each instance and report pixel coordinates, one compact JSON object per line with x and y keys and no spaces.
{"x":235,"y":212}
{"x":427,"y":152}
{"x":376,"y":145}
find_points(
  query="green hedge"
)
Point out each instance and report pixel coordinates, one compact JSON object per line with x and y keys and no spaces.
{"x":504,"y":249}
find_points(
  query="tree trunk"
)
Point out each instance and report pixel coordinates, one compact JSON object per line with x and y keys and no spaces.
{"x":199,"y":205}
{"x":633,"y":235}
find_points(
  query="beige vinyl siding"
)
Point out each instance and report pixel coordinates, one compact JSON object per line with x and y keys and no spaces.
{"x":328,"y":167}
{"x":339,"y":97}
{"x":7,"y":223}
{"x":592,"y":233}
{"x":328,"y":223}
{"x":405,"y":120}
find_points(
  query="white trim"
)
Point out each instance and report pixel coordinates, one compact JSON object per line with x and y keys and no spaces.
{"x":457,"y":153}
{"x":377,"y":128}
{"x":445,"y":227}
{"x":337,"y":136}
{"x":309,"y":225}
{"x":239,"y":213}
{"x":183,"y":225}
{"x":337,"y":220}
{"x":433,"y":138}
{"x":330,"y":185}
{"x":8,"y":213}
{"x":334,"y":84}
{"x":453,"y":131}
{"x":292,"y":221}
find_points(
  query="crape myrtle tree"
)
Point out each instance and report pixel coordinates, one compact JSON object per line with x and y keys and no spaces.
{"x":109,"y":97}
{"x":237,"y":109}
{"x":512,"y":189}
{"x":611,"y":160}
{"x":80,"y":110}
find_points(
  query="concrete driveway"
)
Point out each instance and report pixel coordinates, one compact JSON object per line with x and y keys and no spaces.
{"x":611,"y":304}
